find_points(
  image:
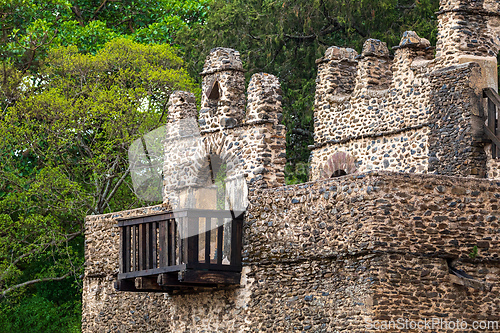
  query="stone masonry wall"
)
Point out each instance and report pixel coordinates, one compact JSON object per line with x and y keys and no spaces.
{"x":389,"y":104}
{"x":435,"y":110}
{"x":456,"y":122}
{"x":406,"y":152}
{"x":325,"y":256}
{"x":467,"y":27}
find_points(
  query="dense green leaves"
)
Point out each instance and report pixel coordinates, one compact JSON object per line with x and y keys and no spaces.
{"x":65,"y":135}
{"x":29,"y":28}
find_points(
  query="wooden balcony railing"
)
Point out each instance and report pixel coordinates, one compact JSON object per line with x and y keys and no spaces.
{"x":180,"y":249}
{"x":492,"y":128}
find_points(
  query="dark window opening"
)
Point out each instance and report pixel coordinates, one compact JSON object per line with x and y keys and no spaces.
{"x":338,"y":173}
{"x":214,"y":92}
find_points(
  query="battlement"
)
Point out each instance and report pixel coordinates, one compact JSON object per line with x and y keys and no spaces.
{"x":390,"y":112}
{"x":223,"y":91}
{"x":264,"y":99}
{"x":181,"y":105}
{"x":222,"y":59}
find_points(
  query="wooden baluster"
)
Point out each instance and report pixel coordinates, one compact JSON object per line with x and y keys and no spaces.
{"x":176,"y":245}
{"x":193,"y":230}
{"x":236,"y":239}
{"x":497,"y":129}
{"x":154,"y":230}
{"x":208,"y":224}
{"x":142,"y":247}
{"x":134,"y":248}
{"x":148,"y":245}
{"x":220,"y":232}
{"x":124,"y":249}
{"x":491,"y":125}
{"x":163,"y":243}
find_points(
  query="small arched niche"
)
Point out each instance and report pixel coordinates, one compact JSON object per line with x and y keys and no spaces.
{"x":337,"y":165}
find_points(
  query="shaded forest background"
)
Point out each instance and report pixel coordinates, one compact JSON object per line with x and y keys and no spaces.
{"x":81,"y":79}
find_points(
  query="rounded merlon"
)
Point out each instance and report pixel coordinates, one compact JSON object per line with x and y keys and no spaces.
{"x":222,"y":59}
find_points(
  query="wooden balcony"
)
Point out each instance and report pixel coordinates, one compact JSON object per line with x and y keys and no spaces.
{"x":492,"y":128}
{"x":180,"y":250}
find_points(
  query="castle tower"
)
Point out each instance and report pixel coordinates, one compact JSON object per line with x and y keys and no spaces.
{"x":223,"y":90}
{"x":469,"y":31}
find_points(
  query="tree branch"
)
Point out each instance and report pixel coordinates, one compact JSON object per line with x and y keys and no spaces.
{"x":109,"y":179}
{"x":99,"y":9}
{"x":45,"y":246}
{"x":118,"y":184}
{"x":301,"y":131}
{"x":76,"y":10}
{"x":27,"y":283}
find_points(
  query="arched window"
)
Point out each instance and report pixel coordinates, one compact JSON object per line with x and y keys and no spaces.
{"x":339,"y":164}
{"x":213,"y":93}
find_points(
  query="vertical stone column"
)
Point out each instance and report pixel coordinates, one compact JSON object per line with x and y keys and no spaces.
{"x":374,"y":70}
{"x":181,"y":105}
{"x":336,"y":80}
{"x":412,"y":54}
{"x":184,"y":152}
{"x":264,"y":150}
{"x":411,"y":48}
{"x":264,"y":99}
{"x":223,"y":90}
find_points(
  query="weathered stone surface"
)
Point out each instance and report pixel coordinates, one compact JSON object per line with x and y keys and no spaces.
{"x":376,"y":48}
{"x":411,"y":39}
{"x":358,"y":248}
{"x":416,"y":113}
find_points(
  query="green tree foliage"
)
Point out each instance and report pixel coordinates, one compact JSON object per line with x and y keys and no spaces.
{"x":29,"y":28}
{"x":285,"y":37}
{"x":65,"y":138}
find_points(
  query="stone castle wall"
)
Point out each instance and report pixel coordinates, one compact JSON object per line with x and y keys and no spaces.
{"x":325,"y":256}
{"x":432,"y":104}
{"x":246,"y":132}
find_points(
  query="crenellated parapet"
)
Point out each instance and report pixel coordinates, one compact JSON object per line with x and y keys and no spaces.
{"x":411,"y":112}
{"x":337,"y":72}
{"x":249,"y":147}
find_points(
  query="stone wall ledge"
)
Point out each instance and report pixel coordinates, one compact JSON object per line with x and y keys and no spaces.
{"x":111,"y":217}
{"x":469,"y":11}
{"x":375,"y":212}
